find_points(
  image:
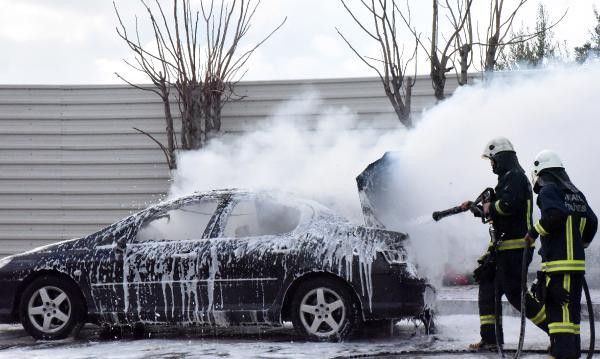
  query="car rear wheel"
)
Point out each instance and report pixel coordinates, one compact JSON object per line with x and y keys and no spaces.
{"x":324,"y":310}
{"x":50,"y":308}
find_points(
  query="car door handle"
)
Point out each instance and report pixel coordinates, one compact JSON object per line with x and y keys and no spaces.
{"x":281,"y":250}
{"x":184,"y":255}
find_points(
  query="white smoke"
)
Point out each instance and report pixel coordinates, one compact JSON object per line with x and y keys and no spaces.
{"x":440,"y":157}
{"x":319,"y":161}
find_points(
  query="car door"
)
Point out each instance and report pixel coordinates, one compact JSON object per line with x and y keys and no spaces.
{"x":105,"y":273}
{"x":251,"y":249}
{"x":147,"y":269}
{"x":161,"y":265}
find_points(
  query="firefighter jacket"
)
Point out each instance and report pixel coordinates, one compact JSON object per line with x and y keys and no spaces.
{"x":567,"y":224}
{"x":511,"y":210}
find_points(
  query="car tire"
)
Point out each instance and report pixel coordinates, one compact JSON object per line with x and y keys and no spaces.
{"x":50,"y":308}
{"x":323,"y":309}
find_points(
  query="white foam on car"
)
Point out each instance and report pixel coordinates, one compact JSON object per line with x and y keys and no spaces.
{"x":329,"y":241}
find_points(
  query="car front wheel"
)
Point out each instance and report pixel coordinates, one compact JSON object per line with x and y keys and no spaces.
{"x":324,"y":310}
{"x":50,"y":308}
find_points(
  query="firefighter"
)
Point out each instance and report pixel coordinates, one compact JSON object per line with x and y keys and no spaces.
{"x":567,"y":226}
{"x":510,"y":213}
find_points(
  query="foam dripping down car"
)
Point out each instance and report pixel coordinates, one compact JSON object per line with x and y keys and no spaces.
{"x":222,"y":258}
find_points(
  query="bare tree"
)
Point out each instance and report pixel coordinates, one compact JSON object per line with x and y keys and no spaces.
{"x":442,"y":54}
{"x":159,"y":74}
{"x":535,"y":52}
{"x":223,"y":65}
{"x":497,"y":31}
{"x":390,"y":66}
{"x":500,"y":26}
{"x":442,"y":50}
{"x":196,"y":52}
{"x":461,"y":15}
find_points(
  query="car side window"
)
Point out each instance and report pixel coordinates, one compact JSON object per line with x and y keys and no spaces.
{"x":260,"y":217}
{"x":186,"y":222}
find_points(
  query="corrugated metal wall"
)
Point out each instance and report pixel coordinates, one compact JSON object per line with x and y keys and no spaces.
{"x":70,"y":162}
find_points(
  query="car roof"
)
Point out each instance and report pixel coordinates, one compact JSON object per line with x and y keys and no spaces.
{"x":281,"y":196}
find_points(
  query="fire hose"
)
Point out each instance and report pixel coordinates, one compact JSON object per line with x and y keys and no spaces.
{"x":590,"y":307}
{"x":476,"y":209}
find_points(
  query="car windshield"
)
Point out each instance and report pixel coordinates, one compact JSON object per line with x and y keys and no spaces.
{"x":260,"y":217}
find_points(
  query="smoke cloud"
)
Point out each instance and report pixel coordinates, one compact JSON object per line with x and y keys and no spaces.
{"x":440,"y":158}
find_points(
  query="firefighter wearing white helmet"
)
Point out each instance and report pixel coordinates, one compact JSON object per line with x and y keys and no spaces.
{"x":543,"y":160}
{"x":567,"y":226}
{"x":498,"y":144}
{"x":510,"y":213}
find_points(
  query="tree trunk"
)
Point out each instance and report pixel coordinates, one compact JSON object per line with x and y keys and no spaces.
{"x":464,"y":63}
{"x":212,"y":103}
{"x":169,"y":129}
{"x":438,"y":77}
{"x":186,"y":122}
{"x":439,"y":82}
{"x":401,"y":108}
{"x":196,"y":116}
{"x":490,"y":54}
{"x":212,"y":114}
{"x":407,"y":103}
{"x":191,"y":116}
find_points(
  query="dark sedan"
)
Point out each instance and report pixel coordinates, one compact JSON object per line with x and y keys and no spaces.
{"x":221,"y":258}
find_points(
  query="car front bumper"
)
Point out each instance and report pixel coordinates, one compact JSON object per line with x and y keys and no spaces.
{"x":8,"y":291}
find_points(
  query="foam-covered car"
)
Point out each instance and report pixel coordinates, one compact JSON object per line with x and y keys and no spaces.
{"x":220,"y":258}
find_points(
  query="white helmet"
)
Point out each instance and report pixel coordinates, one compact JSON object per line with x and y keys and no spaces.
{"x":543,"y":160}
{"x":546,"y":159}
{"x":498,"y":144}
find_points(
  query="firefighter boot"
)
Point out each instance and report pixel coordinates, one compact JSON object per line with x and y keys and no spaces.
{"x":483,"y":346}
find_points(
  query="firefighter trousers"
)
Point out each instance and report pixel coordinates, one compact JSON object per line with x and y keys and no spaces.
{"x":564,"y":319}
{"x":507,"y":278}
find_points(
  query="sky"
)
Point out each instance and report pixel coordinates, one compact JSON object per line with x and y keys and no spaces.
{"x":74,"y":41}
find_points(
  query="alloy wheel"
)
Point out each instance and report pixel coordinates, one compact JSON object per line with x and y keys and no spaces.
{"x":322,"y":312}
{"x":49,"y":309}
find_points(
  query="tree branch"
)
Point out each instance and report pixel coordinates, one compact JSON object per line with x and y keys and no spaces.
{"x":162,"y":147}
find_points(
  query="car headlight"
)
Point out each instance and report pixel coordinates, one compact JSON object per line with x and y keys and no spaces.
{"x":4,"y":261}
